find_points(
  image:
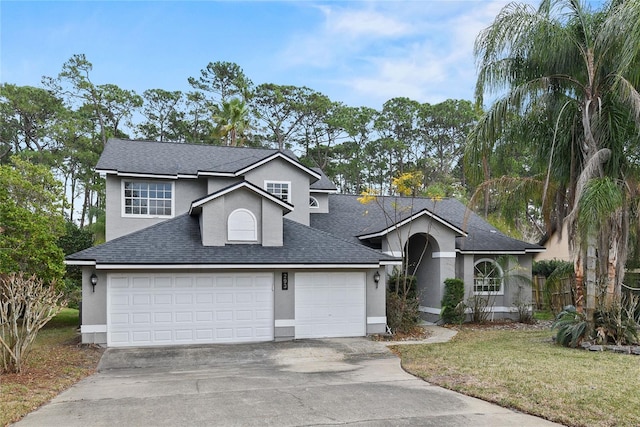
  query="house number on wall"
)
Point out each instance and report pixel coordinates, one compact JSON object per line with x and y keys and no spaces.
{"x":285,"y":281}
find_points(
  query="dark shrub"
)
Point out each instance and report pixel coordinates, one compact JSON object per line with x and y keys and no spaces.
{"x":452,"y":304}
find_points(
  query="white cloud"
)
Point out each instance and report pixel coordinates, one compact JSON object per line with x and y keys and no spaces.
{"x":375,"y":51}
{"x":363,"y":23}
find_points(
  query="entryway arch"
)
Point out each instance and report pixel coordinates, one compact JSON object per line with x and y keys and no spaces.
{"x":421,"y":252}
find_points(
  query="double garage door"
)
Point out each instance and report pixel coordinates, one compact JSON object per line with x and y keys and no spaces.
{"x":164,"y":309}
{"x":169,"y":309}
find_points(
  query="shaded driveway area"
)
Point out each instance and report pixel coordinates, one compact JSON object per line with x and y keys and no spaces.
{"x":351,"y":381}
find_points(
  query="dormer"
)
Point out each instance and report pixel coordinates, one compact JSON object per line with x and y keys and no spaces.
{"x":241,"y":213}
{"x":319,"y":193}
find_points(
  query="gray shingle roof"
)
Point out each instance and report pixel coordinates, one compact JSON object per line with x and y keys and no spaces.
{"x":324,"y":183}
{"x":349,"y":218}
{"x":167,"y":158}
{"x":177,"y":241}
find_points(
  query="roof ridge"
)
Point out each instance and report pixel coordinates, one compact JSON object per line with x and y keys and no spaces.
{"x":192,"y":144}
{"x":402,"y":197}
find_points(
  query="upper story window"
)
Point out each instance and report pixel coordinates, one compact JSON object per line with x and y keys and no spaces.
{"x":313,"y":202}
{"x":280,"y":189}
{"x":242,"y":226}
{"x":149,"y":199}
{"x":487,"y":277}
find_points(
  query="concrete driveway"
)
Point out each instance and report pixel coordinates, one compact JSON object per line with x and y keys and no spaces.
{"x":303,"y":383}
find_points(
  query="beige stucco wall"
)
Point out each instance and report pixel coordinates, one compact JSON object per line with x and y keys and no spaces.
{"x":557,"y":247}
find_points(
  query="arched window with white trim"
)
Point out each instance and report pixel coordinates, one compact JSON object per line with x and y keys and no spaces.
{"x":313,"y":202}
{"x":488,"y":277}
{"x":242,"y":226}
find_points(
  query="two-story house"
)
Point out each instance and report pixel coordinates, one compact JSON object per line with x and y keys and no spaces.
{"x":209,"y":244}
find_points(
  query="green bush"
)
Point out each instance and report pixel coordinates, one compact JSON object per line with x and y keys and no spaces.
{"x":452,"y":302}
{"x":403,"y":284}
{"x":572,"y":327}
{"x":547,"y":267}
{"x":72,"y":292}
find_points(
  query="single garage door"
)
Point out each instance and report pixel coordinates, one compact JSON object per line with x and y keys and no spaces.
{"x":330,"y":305}
{"x":168,"y":309}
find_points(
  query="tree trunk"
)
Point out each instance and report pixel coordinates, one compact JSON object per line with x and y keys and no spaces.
{"x":579,"y":273}
{"x":85,"y":206}
{"x":485,"y":170}
{"x":590,"y":278}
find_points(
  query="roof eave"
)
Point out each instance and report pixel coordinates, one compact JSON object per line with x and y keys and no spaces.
{"x":161,"y":266}
{"x":243,"y":184}
{"x":282,"y":156}
{"x":311,"y":190}
{"x":499,"y":252}
{"x":413,"y":217}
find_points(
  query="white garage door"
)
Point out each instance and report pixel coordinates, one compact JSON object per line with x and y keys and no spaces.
{"x":168,"y":309}
{"x":330,"y":305}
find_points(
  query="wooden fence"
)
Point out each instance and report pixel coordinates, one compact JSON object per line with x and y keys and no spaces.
{"x":559,"y":297}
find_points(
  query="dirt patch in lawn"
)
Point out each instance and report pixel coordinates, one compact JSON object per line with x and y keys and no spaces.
{"x":56,"y":362}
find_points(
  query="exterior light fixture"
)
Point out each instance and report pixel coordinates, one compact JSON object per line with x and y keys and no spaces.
{"x":376,"y":278}
{"x":94,"y":281}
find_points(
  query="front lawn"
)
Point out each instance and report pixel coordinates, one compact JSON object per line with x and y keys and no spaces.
{"x":523,"y":370}
{"x":56,"y":362}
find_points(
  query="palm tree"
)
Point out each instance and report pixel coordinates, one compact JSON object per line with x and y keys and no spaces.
{"x":232,"y":121}
{"x":568,"y":76}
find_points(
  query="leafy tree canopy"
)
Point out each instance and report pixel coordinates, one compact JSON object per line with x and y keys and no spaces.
{"x":31,"y":220}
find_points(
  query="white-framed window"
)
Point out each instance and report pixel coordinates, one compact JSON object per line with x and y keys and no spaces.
{"x":280,"y":189}
{"x":242,"y":226}
{"x":488,"y":277}
{"x":313,"y":202}
{"x":147,"y":198}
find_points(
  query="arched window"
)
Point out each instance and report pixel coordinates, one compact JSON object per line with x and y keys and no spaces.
{"x":313,"y":202}
{"x":487,"y":277}
{"x":242,"y":226}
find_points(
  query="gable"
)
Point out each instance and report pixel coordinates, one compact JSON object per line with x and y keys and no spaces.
{"x":369,"y":223}
{"x":240,"y":214}
{"x":279,"y":176}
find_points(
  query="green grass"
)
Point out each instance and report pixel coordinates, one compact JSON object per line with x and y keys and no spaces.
{"x":66,"y":317}
{"x":523,"y":370}
{"x":543,"y":315}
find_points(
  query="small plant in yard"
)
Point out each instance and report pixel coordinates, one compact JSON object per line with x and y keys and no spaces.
{"x":479,"y":306}
{"x":615,"y":321}
{"x":26,"y":305}
{"x":403,"y":304}
{"x":525,"y":311}
{"x":452,"y":303}
{"x":572,"y":327}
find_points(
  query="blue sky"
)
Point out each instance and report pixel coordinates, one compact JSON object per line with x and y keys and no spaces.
{"x":361,"y":53}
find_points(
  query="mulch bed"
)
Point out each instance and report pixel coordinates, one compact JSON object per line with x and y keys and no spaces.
{"x":506,"y":325}
{"x":416,"y":334}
